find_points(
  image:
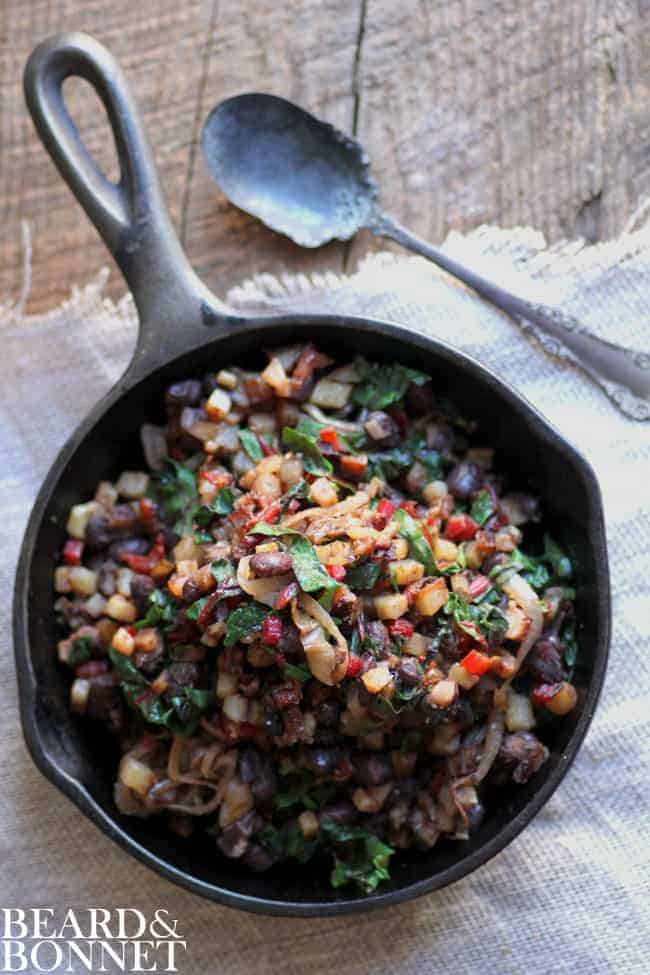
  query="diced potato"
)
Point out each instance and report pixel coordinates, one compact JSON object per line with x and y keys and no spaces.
{"x":309,"y":825}
{"x":62,"y":579}
{"x":330,"y":395}
{"x":518,"y":622}
{"x":372,"y":798}
{"x":226,"y":379}
{"x":275,"y":376}
{"x":473,"y":555}
{"x":460,"y":585}
{"x":377,"y":678}
{"x":432,"y":597}
{"x":132,"y":484}
{"x":268,"y":486}
{"x":335,"y":553}
{"x":266,"y":547}
{"x":207,"y":431}
{"x":391,"y":605}
{"x":463,"y":677}
{"x":564,"y":701}
{"x":434,"y":491}
{"x":95,"y":606}
{"x":106,"y":494}
{"x":121,"y":609}
{"x":80,"y":515}
{"x":507,"y":539}
{"x":123,"y":642}
{"x":443,"y":693}
{"x":519,"y":713}
{"x":123,"y":579}
{"x":235,"y":707}
{"x":400,"y":548}
{"x":135,"y":775}
{"x":226,"y":684}
{"x":218,"y":404}
{"x":323,"y":493}
{"x":445,"y":551}
{"x":79,"y":693}
{"x":291,"y":471}
{"x":417,"y":645}
{"x":237,"y":801}
{"x":345,"y":374}
{"x":225,"y":439}
{"x":185,"y":550}
{"x":262,"y":423}
{"x":146,"y":640}
{"x":405,"y":571}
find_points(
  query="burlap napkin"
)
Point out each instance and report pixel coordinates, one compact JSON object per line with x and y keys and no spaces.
{"x":570,"y":894}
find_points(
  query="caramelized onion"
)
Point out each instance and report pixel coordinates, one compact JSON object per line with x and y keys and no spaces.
{"x":265,"y":590}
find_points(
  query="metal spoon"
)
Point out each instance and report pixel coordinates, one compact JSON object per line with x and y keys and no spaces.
{"x":304,"y":178}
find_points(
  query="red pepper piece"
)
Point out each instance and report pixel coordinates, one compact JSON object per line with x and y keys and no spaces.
{"x":147,"y":512}
{"x":410,"y":508}
{"x":337,"y":572}
{"x":288,"y":593}
{"x":460,"y":528}
{"x":476,"y":663}
{"x":354,"y":666}
{"x":220,"y":479}
{"x":143,"y":564}
{"x":478,"y":586}
{"x":72,"y":551}
{"x":386,"y":508}
{"x":401,"y":628}
{"x":272,"y":630}
{"x":266,"y":447}
{"x":330,"y":436}
{"x":205,"y":614}
{"x":354,"y":466}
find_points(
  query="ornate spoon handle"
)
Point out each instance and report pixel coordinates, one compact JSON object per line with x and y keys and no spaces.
{"x":623,"y":374}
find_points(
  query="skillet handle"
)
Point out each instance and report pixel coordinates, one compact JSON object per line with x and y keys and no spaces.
{"x":130,"y":215}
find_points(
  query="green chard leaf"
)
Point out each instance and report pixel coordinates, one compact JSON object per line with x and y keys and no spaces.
{"x":307,"y":445}
{"x":383,"y":384}
{"x":244,"y":620}
{"x":363,"y":576}
{"x":222,"y":569}
{"x":162,"y":610}
{"x":126,"y":668}
{"x":175,"y":489}
{"x":251,"y":445}
{"x":298,"y":672}
{"x":308,"y":569}
{"x":558,"y":560}
{"x":364,"y":858}
{"x":420,"y":548}
{"x":482,"y":508}
{"x":80,"y":651}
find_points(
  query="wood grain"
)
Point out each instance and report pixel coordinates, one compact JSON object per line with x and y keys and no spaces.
{"x":509,"y":111}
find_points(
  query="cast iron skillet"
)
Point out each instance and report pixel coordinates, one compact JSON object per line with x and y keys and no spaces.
{"x":185,"y":330}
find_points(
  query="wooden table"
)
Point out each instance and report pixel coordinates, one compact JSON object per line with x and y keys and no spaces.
{"x":510,"y":111}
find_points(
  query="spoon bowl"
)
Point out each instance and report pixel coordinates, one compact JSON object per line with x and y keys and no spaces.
{"x":298,"y":175}
{"x":305,"y":179}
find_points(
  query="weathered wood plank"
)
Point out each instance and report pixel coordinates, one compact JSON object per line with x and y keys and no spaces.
{"x":512,"y":111}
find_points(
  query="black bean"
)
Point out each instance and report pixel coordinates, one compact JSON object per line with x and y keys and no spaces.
{"x":464,"y":479}
{"x":545,"y":661}
{"x":106,"y":579}
{"x":441,"y":437}
{"x":327,"y":713}
{"x":289,"y":642}
{"x":132,"y":546}
{"x":372,"y":768}
{"x":170,"y":538}
{"x":273,"y":724}
{"x":378,"y":633}
{"x":342,"y":813}
{"x":523,"y":753}
{"x":191,"y":591}
{"x":141,"y":588}
{"x":181,"y":673}
{"x":322,"y":761}
{"x":409,"y":671}
{"x":233,"y":841}
{"x":184,"y":393}
{"x":104,"y":696}
{"x":98,"y":533}
{"x":209,"y":383}
{"x":420,"y":399}
{"x":271,"y":563}
{"x":257,"y":771}
{"x":257,"y":858}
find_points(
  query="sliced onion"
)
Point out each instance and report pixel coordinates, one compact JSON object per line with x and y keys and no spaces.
{"x":264,"y":590}
{"x":355,"y":501}
{"x":491,"y":747}
{"x":343,"y":426}
{"x":327,"y":662}
{"x":525,"y":596}
{"x":154,"y":445}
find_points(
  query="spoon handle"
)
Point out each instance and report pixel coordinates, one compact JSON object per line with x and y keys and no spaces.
{"x":624,"y":374}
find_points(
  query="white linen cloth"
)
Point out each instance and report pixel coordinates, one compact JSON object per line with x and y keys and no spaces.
{"x":571,"y":894}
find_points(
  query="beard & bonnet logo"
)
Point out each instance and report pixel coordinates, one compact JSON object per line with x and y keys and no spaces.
{"x":95,"y":939}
